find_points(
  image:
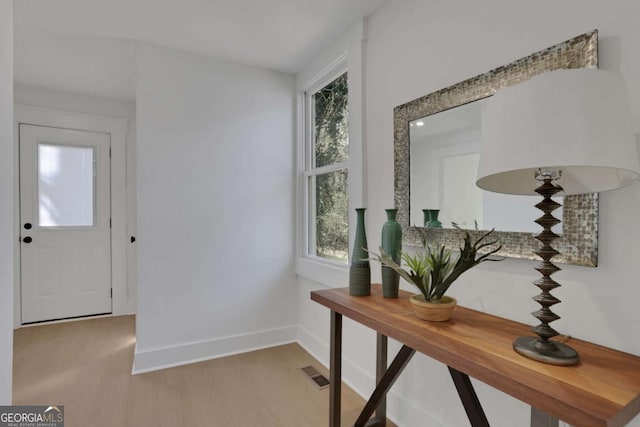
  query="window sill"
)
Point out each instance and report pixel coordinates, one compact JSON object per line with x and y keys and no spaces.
{"x":330,"y":274}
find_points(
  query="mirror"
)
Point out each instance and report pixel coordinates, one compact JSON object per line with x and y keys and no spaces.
{"x":444,"y":150}
{"x":436,"y":146}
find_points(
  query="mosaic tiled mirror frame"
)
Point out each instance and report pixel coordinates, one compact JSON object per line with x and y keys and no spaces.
{"x":579,"y":241}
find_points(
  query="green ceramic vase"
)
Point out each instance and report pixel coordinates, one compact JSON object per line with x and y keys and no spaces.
{"x":392,"y":245}
{"x":433,"y":218}
{"x":360,"y":270}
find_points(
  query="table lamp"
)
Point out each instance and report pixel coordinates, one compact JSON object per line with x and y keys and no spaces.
{"x":567,"y":132}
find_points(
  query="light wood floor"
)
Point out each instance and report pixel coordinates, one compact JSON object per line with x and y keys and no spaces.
{"x":86,"y":367}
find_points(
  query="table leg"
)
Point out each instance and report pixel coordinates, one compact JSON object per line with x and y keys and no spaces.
{"x":335,"y":366}
{"x":469,"y":398}
{"x":542,"y":419}
{"x":390,"y":376}
{"x":380,"y":418}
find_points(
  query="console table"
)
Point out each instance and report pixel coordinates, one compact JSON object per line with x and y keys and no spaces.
{"x":603,"y":390}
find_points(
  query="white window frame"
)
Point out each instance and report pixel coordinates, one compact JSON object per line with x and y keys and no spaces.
{"x":309,"y":170}
{"x":347,"y":54}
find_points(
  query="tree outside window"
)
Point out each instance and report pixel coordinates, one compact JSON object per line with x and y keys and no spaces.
{"x":328,"y":172}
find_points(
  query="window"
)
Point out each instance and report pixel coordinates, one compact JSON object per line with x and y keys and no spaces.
{"x":66,"y":186}
{"x":326,"y":170}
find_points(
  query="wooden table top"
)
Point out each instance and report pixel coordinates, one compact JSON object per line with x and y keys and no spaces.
{"x":602,"y":390}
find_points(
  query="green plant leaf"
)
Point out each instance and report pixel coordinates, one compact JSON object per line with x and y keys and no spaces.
{"x":435,"y":269}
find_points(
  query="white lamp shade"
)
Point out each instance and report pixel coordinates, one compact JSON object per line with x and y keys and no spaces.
{"x":574,"y":121}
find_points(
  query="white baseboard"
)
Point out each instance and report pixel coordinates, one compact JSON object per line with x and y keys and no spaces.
{"x":399,"y":410}
{"x":183,"y":354}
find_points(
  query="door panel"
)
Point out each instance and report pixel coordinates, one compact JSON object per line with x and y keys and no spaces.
{"x":91,"y":267}
{"x":46,"y":264}
{"x":65,"y":218}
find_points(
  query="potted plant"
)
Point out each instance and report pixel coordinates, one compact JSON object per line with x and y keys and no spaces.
{"x":434,"y":269}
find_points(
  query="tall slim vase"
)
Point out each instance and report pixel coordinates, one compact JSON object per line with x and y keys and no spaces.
{"x":392,"y":245}
{"x":360,"y":271}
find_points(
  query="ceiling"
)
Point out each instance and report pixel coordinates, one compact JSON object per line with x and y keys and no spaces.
{"x":88,"y":46}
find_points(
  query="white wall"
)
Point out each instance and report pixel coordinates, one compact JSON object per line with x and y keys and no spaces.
{"x":7,"y":196}
{"x":416,"y":47}
{"x":76,"y":102}
{"x":215,"y":208}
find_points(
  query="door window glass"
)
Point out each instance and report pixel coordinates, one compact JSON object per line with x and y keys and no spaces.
{"x":66,"y":186}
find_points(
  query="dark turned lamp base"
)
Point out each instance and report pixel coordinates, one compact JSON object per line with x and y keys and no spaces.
{"x":554,"y":353}
{"x":540,"y":348}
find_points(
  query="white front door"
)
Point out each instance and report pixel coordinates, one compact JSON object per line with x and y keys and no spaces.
{"x":65,"y":223}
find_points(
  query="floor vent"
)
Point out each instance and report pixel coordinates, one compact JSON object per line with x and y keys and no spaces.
{"x":319,"y":380}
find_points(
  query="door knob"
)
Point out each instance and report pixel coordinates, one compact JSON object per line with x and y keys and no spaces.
{"x":27,"y":239}
{"x":27,"y":226}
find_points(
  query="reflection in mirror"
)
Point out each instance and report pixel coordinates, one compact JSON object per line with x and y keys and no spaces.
{"x":444,"y":153}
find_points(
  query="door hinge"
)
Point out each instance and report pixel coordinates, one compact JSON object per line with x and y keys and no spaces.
{"x":111,"y":292}
{"x":109,"y":222}
{"x":109,"y":152}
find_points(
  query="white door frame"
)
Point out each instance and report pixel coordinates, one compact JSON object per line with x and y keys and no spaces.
{"x":117,"y":127}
